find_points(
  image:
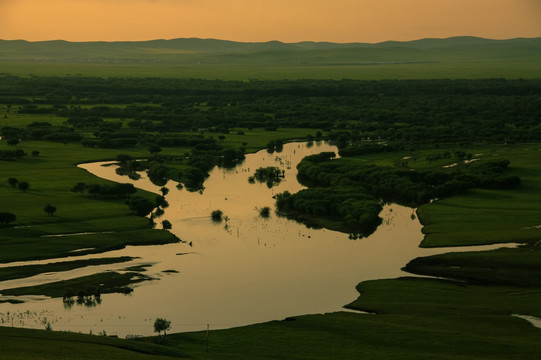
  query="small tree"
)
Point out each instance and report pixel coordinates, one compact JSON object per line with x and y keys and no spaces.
{"x":142,"y":206}
{"x":264,"y":212}
{"x":80,"y":187}
{"x":162,"y":325}
{"x":35,"y":153}
{"x":160,"y":201}
{"x":6,"y":218}
{"x":49,"y":209}
{"x":12,"y":181}
{"x":164,"y":191}
{"x":167,"y":225}
{"x":13,"y":142}
{"x":159,"y":212}
{"x":123,"y":158}
{"x":23,"y":186}
{"x":216,"y":215}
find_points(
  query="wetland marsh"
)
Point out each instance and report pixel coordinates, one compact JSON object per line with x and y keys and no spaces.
{"x":245,"y":270}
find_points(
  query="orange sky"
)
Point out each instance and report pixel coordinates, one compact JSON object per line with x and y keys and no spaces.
{"x":263,"y":20}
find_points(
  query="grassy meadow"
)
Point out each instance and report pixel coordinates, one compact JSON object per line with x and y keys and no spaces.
{"x":459,"y":69}
{"x":21,"y":344}
{"x":488,"y":216}
{"x":453,"y":58}
{"x":51,"y":175}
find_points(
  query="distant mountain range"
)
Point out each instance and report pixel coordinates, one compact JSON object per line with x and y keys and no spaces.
{"x":212,"y":51}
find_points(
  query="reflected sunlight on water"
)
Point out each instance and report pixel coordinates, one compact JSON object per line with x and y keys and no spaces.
{"x":246,"y":270}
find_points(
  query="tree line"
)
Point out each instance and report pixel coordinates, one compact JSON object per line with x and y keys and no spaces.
{"x":350,"y":193}
{"x":405,"y":186}
{"x":400,"y":111}
{"x":357,"y":212}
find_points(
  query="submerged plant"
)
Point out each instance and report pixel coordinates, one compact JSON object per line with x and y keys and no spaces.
{"x":264,"y":212}
{"x":216,"y":215}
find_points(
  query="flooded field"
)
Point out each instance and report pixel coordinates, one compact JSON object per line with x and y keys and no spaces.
{"x":242,"y":270}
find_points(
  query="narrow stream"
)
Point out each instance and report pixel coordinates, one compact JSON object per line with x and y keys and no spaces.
{"x":241,"y":271}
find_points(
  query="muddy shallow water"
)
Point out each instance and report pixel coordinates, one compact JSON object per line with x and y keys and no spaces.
{"x":241,"y":271}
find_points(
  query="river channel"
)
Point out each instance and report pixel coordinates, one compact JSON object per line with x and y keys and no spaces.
{"x":245,"y":270}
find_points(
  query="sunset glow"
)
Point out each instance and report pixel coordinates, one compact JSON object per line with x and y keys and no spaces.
{"x":264,"y":20}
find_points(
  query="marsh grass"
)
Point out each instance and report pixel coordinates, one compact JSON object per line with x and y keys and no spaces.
{"x":21,"y":344}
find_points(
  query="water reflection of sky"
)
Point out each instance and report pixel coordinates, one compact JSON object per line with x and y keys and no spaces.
{"x":241,"y":271}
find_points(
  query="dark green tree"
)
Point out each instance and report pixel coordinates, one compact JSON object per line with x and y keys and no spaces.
{"x":123,"y":158}
{"x":12,"y":181}
{"x":49,"y":209}
{"x":140,"y":205}
{"x":23,"y":186}
{"x":6,"y":218}
{"x":159,"y":212}
{"x":160,"y":201}
{"x":80,"y":187}
{"x":264,"y":212}
{"x":160,"y":325}
{"x":216,"y":215}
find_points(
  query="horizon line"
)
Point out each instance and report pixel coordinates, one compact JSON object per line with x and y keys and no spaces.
{"x":274,"y":41}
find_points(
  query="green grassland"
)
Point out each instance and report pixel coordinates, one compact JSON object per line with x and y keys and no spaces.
{"x":460,"y":57}
{"x":15,"y":272}
{"x":22,"y":344}
{"x":107,"y":282}
{"x":51,"y":176}
{"x":446,"y":70}
{"x":488,"y":216}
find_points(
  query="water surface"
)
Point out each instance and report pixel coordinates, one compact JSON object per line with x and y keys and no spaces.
{"x":241,"y":271}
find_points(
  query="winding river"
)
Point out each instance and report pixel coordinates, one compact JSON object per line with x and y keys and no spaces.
{"x":245,"y":270}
